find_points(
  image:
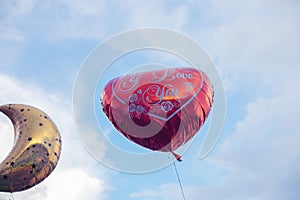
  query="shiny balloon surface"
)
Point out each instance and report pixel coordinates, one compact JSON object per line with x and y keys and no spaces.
{"x":160,"y":109}
{"x":36,"y":149}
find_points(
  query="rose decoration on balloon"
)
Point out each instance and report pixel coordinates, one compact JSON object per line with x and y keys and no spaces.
{"x":160,"y":109}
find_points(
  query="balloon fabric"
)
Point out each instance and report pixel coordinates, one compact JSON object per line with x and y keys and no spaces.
{"x":36,"y":149}
{"x":160,"y":109}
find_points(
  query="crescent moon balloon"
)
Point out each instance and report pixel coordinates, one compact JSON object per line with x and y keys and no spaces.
{"x":36,"y":149}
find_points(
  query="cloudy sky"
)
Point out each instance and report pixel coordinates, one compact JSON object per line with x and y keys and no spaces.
{"x":255,"y":46}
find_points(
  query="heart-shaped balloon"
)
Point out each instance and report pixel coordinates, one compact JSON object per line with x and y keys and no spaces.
{"x":160,"y":109}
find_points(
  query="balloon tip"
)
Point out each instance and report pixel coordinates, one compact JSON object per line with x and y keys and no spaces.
{"x":178,"y":157}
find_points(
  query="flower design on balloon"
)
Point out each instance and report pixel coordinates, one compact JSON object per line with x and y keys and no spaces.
{"x":167,"y":106}
{"x":136,"y":110}
{"x":133,"y":98}
{"x":131,"y":108}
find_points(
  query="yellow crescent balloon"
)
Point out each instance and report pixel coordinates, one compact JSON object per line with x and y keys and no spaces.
{"x":36,"y":148}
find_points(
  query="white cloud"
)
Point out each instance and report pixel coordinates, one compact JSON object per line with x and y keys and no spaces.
{"x":12,"y":12}
{"x":89,"y":20}
{"x":75,"y":184}
{"x":251,"y":38}
{"x":10,"y":33}
{"x":7,"y":135}
{"x":79,"y":20}
{"x":164,"y":192}
{"x":89,"y":7}
{"x":84,"y":186}
{"x":154,"y":13}
{"x":67,"y":184}
{"x":63,"y":19}
{"x":261,"y":156}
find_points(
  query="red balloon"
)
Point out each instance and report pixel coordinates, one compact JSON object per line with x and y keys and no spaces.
{"x":160,"y":109}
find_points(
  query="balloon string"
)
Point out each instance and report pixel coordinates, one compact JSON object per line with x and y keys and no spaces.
{"x":178,"y":178}
{"x":12,"y":196}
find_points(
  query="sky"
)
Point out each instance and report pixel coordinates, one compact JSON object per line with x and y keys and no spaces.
{"x":255,"y":47}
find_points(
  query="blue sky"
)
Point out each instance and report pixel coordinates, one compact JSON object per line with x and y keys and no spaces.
{"x":255,"y":46}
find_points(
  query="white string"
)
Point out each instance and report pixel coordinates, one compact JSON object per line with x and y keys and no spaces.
{"x":12,"y":196}
{"x":178,"y":178}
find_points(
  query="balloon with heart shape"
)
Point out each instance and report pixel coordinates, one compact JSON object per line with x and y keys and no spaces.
{"x":160,"y":109}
